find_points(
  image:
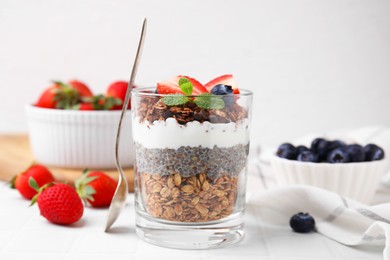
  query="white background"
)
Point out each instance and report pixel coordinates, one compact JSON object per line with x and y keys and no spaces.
{"x":314,"y":66}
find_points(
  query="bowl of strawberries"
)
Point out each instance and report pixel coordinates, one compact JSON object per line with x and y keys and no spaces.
{"x":71,"y":127}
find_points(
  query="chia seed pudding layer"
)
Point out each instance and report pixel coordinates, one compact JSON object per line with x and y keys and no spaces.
{"x":190,"y":161}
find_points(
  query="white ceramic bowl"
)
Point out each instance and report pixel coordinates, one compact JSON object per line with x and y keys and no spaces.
{"x":79,"y":139}
{"x":357,"y":181}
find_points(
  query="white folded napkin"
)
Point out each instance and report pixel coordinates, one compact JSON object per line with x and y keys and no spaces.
{"x":338,"y":218}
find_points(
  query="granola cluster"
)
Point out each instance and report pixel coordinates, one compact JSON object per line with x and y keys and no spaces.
{"x":152,"y":109}
{"x":193,"y":199}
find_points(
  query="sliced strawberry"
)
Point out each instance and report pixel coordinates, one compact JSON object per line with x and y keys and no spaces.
{"x":198,"y":87}
{"x":224,"y":79}
{"x":171,"y":86}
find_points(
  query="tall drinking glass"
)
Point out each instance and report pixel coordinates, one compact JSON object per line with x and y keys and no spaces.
{"x":190,"y":168}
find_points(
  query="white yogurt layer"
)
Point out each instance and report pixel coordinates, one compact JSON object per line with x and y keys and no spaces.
{"x":170,"y":134}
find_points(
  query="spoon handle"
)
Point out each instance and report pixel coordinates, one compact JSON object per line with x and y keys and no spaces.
{"x":128,"y":93}
{"x":119,"y":199}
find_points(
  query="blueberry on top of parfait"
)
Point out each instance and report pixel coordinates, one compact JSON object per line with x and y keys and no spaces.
{"x":222,"y":89}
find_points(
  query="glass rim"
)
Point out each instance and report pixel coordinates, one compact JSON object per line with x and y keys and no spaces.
{"x":141,"y":91}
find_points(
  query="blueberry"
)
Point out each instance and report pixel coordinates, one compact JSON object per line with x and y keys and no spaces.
{"x":301,"y":148}
{"x":307,"y":156}
{"x":338,"y":155}
{"x":302,"y":222}
{"x":373,"y":152}
{"x":335,"y":144}
{"x":287,"y":151}
{"x":227,"y":90}
{"x":221,"y":89}
{"x":319,"y":146}
{"x":355,"y":152}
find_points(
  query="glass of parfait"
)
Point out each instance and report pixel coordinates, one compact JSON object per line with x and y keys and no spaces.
{"x":191,"y":147}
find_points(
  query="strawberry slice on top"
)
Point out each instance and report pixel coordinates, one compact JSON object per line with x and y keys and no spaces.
{"x":171,"y":86}
{"x":225,"y":80}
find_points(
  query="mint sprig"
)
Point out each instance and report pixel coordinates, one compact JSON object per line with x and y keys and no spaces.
{"x":179,"y":99}
{"x":175,"y":100}
{"x":204,"y":100}
{"x":209,"y":101}
{"x":186,"y":86}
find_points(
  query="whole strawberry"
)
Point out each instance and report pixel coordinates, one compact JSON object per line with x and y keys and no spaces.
{"x":59,"y":203}
{"x":39,"y":172}
{"x":64,"y":95}
{"x":96,"y":188}
{"x":48,"y":99}
{"x":81,"y":87}
{"x":118,"y":90}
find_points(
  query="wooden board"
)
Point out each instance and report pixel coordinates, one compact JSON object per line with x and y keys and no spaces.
{"x":16,"y":156}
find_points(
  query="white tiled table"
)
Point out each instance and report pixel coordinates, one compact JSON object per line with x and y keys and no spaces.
{"x":26,"y":235}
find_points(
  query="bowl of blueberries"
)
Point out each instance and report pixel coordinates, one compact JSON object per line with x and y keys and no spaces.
{"x":351,"y":170}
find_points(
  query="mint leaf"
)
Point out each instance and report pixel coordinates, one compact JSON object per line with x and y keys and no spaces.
{"x":209,"y":101}
{"x":185,"y":86}
{"x":175,"y":100}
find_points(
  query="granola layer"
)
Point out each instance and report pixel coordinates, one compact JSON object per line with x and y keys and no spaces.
{"x":192,"y":199}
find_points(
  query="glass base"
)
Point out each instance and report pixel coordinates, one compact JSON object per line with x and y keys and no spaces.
{"x":215,"y":234}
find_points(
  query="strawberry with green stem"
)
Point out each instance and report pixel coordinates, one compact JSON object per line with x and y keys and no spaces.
{"x":63,"y":96}
{"x":59,"y":203}
{"x":96,"y":188}
{"x":47,"y":98}
{"x":40,"y":173}
{"x":118,"y":90}
{"x":81,"y":87}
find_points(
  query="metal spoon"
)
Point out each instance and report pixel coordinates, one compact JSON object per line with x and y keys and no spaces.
{"x":119,"y":199}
